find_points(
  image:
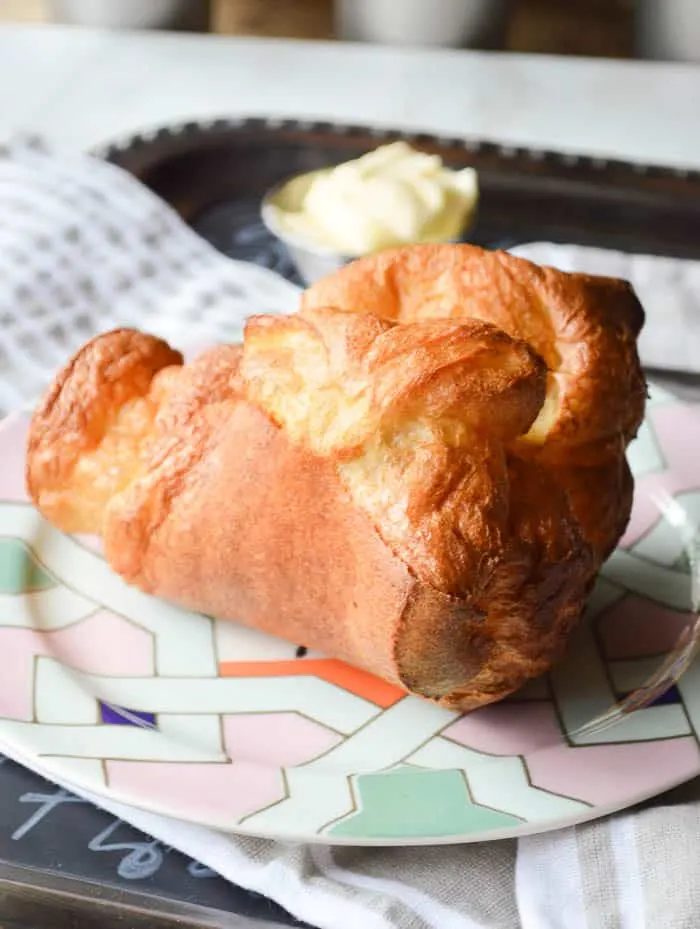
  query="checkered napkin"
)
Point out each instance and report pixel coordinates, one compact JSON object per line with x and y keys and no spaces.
{"x":83,"y":247}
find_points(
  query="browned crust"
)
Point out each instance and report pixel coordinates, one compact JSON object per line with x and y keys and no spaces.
{"x":585,"y":327}
{"x":228,"y":507}
{"x":78,"y":409}
{"x":315,"y":571}
{"x":231,"y":518}
{"x":425,"y":460}
{"x":287,"y":552}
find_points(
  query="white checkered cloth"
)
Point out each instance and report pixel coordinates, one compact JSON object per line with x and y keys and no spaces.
{"x":83,"y":247}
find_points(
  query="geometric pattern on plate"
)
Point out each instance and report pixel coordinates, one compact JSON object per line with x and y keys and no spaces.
{"x":201,"y":719}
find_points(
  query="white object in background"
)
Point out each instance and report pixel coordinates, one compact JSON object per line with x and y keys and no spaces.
{"x":419,"y":22}
{"x":668,"y":30}
{"x":132,"y":14}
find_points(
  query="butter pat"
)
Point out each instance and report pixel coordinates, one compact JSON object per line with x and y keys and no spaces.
{"x":392,"y":196}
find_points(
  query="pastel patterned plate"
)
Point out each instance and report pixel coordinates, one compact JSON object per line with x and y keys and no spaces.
{"x":129,"y":698}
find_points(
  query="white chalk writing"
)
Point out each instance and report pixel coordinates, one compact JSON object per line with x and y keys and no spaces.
{"x":143,"y":858}
{"x":195,"y":869}
{"x":47,"y":804}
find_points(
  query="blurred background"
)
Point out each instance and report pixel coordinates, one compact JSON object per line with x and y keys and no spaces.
{"x":662,"y":29}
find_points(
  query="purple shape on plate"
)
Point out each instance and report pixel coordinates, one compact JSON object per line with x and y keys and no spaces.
{"x":669,"y":696}
{"x":118,"y":716}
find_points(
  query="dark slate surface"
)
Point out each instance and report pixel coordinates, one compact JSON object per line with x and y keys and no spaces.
{"x":45,"y":827}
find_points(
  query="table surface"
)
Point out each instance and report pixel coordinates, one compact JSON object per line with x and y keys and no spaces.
{"x":80,"y":87}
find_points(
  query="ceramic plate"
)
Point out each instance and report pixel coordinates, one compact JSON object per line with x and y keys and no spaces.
{"x":127,"y":697}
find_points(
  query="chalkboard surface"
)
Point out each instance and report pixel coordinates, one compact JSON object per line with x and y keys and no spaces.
{"x":45,"y":827}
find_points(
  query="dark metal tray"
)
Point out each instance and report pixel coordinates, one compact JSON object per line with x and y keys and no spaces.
{"x":214,"y":174}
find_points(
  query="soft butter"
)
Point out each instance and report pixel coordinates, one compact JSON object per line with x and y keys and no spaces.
{"x":394,"y":195}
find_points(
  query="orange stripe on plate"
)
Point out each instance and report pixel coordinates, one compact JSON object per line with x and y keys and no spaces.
{"x":361,"y":683}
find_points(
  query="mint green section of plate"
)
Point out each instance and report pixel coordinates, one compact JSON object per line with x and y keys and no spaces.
{"x":19,"y":571}
{"x":413,"y":803}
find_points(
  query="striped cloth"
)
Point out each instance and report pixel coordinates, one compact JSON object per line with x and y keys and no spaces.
{"x":84,"y":247}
